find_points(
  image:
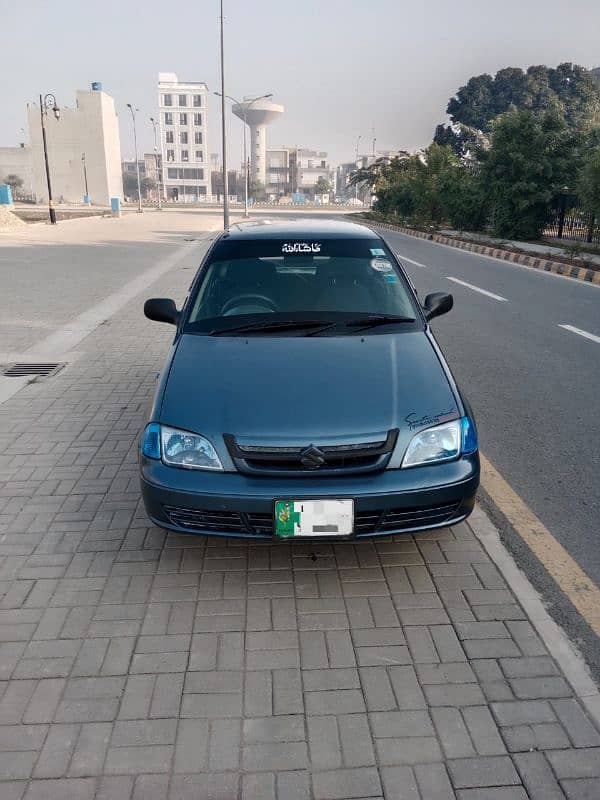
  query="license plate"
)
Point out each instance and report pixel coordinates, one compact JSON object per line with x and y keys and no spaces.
{"x":297,"y":518}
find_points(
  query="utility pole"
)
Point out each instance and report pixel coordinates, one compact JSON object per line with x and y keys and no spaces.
{"x":224,"y":133}
{"x":85,"y":182}
{"x":358,"y":138}
{"x":46,"y":103}
{"x":137,"y":163}
{"x":158,"y":160}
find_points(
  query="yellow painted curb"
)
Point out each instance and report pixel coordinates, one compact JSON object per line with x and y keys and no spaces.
{"x":573,"y":581}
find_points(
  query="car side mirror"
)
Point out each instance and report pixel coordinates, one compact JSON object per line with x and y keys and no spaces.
{"x":437,"y":304}
{"x":162,"y":309}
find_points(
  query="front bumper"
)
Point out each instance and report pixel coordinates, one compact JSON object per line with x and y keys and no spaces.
{"x":233,"y":504}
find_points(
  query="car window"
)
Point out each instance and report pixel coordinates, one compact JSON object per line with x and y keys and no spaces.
{"x":288,"y":278}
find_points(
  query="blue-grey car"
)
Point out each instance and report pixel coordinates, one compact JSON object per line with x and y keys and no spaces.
{"x":305,"y":394}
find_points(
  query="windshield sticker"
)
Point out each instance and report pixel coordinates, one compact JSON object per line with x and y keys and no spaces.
{"x":382,"y":265}
{"x":301,"y":247}
{"x":415,"y":421}
{"x":391,"y":279}
{"x":377,"y":251}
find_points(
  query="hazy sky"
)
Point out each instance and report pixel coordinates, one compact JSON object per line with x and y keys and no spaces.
{"x":340,"y":67}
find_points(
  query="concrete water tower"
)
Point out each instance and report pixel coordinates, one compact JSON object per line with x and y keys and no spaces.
{"x":258,"y":114}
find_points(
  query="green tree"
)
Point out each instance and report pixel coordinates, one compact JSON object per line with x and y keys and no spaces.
{"x":568,"y":89}
{"x":256,"y":189}
{"x":130,"y":187}
{"x":589,"y":182}
{"x":15,"y":182}
{"x":530,"y":159}
{"x":147,"y":185}
{"x":322,"y":186}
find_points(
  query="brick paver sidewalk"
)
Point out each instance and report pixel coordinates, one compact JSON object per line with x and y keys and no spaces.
{"x":136,"y":664}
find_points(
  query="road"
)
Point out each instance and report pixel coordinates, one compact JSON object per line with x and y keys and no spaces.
{"x":139,"y":664}
{"x":533,"y":383}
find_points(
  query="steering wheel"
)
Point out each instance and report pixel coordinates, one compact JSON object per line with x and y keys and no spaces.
{"x":249,"y":299}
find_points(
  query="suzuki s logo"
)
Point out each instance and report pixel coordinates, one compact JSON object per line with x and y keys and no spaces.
{"x":311,"y":457}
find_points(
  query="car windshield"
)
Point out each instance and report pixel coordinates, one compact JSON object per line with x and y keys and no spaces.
{"x":254,"y":285}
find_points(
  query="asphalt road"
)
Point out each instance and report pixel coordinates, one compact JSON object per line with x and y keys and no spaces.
{"x":534,"y":385}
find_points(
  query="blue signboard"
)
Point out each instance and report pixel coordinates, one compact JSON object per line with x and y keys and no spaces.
{"x":299,"y":198}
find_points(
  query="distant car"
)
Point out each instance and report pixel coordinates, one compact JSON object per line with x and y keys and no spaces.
{"x":305,"y":395}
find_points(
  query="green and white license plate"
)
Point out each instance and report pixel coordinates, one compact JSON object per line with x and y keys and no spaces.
{"x":297,"y":518}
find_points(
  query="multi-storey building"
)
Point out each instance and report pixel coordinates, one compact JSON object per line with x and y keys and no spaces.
{"x":183,"y":137}
{"x":291,"y":170}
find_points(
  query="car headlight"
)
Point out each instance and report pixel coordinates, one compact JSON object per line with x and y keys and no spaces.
{"x":441,"y":443}
{"x":179,"y":448}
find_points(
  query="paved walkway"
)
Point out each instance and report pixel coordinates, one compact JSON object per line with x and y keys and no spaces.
{"x":139,"y":665}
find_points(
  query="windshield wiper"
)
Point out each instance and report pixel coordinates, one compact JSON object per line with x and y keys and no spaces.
{"x":267,"y":326}
{"x":373,"y":320}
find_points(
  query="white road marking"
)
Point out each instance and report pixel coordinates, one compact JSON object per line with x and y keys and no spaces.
{"x":410,"y":260}
{"x":57,"y":345}
{"x":579,"y":332}
{"x":477,"y":289}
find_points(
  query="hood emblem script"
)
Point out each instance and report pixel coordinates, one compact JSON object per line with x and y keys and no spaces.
{"x":311,"y":457}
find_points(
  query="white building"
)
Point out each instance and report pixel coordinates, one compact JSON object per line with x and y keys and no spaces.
{"x":91,"y":129}
{"x":183,"y":136}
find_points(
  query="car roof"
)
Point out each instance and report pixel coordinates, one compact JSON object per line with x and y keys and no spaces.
{"x":298,"y":228}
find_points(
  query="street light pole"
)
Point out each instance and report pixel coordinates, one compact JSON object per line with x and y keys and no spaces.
{"x":137,"y":163}
{"x":224,"y":133}
{"x":158,"y":165}
{"x":47,"y":102}
{"x":358,"y":138}
{"x":246,"y":105}
{"x":85,"y":181}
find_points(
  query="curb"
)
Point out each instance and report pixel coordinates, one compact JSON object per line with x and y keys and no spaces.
{"x":536,"y":262}
{"x":560,"y":648}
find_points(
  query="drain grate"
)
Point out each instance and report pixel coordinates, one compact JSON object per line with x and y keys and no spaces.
{"x":23,"y":370}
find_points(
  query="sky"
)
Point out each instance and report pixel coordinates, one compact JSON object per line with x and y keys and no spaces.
{"x":342,"y":68}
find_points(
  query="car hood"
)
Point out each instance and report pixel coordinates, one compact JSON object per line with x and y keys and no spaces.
{"x":294,"y":390}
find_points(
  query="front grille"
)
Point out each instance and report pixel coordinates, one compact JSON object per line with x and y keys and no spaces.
{"x":196,"y":519}
{"x":398,"y":519}
{"x":261,"y":524}
{"x":312,"y":459}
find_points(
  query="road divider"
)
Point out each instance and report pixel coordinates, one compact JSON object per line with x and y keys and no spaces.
{"x":565,"y":571}
{"x":534,"y":261}
{"x":586,"y":335}
{"x":497,"y":297}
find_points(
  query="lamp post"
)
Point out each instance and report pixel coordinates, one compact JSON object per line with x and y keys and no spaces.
{"x":223,"y":131}
{"x":86,"y":198}
{"x":246,"y":105}
{"x":47,"y":103}
{"x":137,"y":163}
{"x":358,"y":138}
{"x":158,"y":158}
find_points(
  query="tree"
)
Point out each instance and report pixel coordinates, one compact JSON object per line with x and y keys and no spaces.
{"x":15,"y":182}
{"x":589,"y":182}
{"x":465,"y":141}
{"x":256,"y":189}
{"x":569,"y":90}
{"x":530,"y":159}
{"x":147,"y":185}
{"x":322,"y":186}
{"x":130,"y":187}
